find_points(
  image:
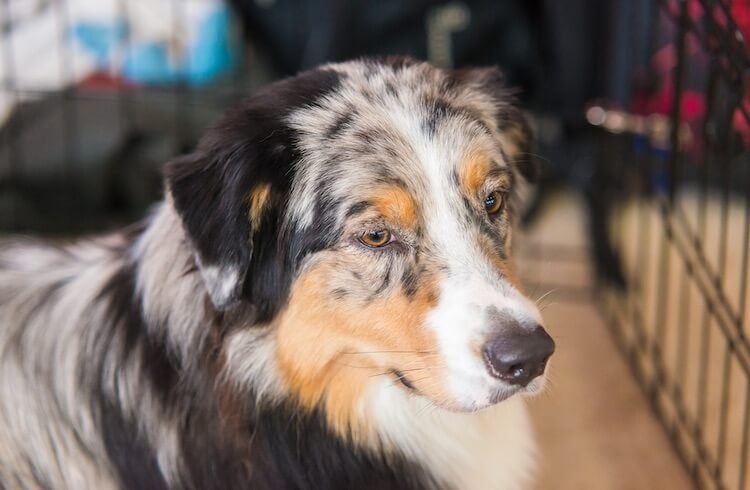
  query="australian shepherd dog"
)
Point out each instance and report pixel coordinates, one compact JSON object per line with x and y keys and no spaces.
{"x":323,"y":300}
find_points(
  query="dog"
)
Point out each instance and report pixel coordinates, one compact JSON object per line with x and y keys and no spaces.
{"x":323,"y":300}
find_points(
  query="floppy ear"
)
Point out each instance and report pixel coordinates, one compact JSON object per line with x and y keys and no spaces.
{"x":221,"y":206}
{"x":520,"y":142}
{"x":515,"y":131}
{"x":230,"y":194}
{"x":232,"y":191}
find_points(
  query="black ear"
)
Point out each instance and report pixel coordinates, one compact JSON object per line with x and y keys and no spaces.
{"x":231,"y":194}
{"x":515,"y":131}
{"x":520,"y":143}
{"x":212,"y":194}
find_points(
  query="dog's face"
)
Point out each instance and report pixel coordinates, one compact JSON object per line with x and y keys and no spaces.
{"x":363,"y":210}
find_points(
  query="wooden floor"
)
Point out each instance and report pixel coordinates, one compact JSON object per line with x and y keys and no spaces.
{"x":594,"y":425}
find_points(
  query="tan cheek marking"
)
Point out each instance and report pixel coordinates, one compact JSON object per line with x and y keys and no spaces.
{"x":317,"y":336}
{"x":474,"y":170}
{"x":396,"y":205}
{"x":257,"y":200}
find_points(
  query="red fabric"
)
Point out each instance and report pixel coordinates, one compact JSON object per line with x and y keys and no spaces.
{"x":741,"y":14}
{"x":655,"y":94}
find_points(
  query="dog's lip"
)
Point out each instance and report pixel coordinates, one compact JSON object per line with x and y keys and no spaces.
{"x":488,"y":364}
{"x":500,"y":393}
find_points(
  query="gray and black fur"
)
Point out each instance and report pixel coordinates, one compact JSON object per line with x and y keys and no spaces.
{"x":114,"y":350}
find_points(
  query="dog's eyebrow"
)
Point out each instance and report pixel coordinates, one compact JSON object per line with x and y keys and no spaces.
{"x":358,"y":208}
{"x":501,"y":173}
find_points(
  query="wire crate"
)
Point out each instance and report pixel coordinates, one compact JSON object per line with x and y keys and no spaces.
{"x":95,"y":95}
{"x":82,"y":141}
{"x":684,"y":239}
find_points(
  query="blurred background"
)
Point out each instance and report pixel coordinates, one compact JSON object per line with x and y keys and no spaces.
{"x":635,"y":242}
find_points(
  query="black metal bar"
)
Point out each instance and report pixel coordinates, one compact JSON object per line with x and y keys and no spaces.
{"x":680,"y":365}
{"x":745,"y":439}
{"x":744,"y":269}
{"x":181,"y":88}
{"x":14,"y":125}
{"x":676,"y":109}
{"x":642,"y":259}
{"x":125,"y":104}
{"x":67,"y":102}
{"x":726,"y":376}
{"x":663,"y":287}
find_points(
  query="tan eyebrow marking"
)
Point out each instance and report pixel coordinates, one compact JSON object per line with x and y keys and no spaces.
{"x":474,"y":170}
{"x":395,"y":204}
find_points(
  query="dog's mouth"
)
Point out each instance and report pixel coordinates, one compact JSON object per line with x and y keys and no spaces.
{"x":503,"y":393}
{"x":498,"y":395}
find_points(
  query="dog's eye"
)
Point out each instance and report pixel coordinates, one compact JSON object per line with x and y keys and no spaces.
{"x":376,"y":238}
{"x":493,"y":203}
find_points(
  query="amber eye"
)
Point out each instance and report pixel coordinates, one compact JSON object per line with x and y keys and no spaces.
{"x":376,"y":238}
{"x":493,"y":203}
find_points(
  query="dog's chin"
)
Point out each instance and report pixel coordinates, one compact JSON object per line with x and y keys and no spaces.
{"x":494,"y":396}
{"x":477,"y":397}
{"x":499,"y":396}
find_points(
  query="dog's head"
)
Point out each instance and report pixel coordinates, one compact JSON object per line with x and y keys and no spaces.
{"x":363,"y":210}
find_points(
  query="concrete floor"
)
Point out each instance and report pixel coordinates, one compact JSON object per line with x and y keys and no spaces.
{"x":594,"y":425}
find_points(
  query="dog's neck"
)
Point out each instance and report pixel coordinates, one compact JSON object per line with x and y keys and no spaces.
{"x":462,"y":449}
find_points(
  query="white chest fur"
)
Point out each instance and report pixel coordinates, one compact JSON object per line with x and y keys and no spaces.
{"x":490,"y":449}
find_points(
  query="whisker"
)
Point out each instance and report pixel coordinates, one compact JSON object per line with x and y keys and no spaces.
{"x":538,"y":156}
{"x":431,"y":407}
{"x":421,"y":379}
{"x":400,"y":371}
{"x":541,"y":298}
{"x":390,"y":352}
{"x":544,"y":307}
{"x":352,"y":365}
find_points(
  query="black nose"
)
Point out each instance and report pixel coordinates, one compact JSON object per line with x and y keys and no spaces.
{"x":517,"y":357}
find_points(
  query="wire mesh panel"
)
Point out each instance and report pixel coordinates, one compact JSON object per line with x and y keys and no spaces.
{"x":684,"y":235}
{"x":95,"y":95}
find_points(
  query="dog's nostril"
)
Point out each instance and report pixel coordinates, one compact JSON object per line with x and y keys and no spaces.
{"x":518,"y":357}
{"x":517,"y":370}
